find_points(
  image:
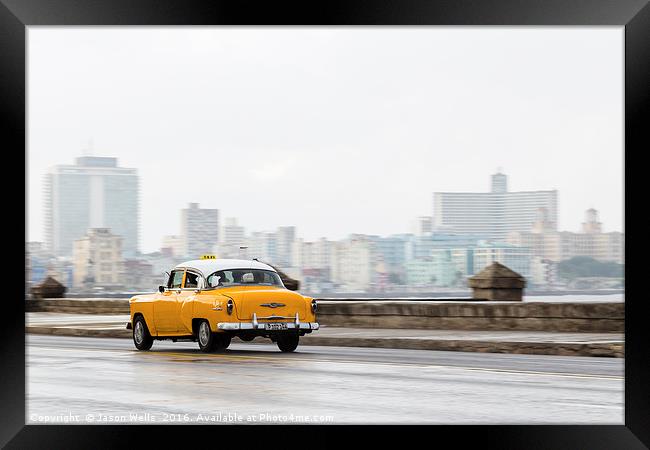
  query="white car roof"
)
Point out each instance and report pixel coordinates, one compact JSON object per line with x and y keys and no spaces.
{"x":209,"y":266}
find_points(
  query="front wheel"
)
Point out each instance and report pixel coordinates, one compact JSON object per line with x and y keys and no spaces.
{"x":206,"y":337}
{"x":288,"y":342}
{"x":141,"y":336}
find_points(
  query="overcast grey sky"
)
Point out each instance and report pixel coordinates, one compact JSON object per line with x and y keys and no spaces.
{"x":336,"y":130}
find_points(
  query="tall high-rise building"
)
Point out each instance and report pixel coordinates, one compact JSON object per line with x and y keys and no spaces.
{"x":492,"y":215}
{"x":233,"y":238}
{"x":199,"y":230}
{"x":499,"y":183}
{"x":263,"y":246}
{"x":285,"y":238}
{"x":92,"y":193}
{"x":233,"y":233}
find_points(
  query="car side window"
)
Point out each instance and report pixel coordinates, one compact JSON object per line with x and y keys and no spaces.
{"x":225,"y":278}
{"x":175,"y":279}
{"x":191,"y":280}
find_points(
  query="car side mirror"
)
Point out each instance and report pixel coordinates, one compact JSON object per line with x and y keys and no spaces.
{"x":161,"y":289}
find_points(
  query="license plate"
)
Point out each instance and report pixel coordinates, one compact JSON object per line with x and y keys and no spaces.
{"x":275,"y":326}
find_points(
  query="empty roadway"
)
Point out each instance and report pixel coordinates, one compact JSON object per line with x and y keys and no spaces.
{"x":97,"y":380}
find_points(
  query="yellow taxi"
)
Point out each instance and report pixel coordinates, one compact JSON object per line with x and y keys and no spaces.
{"x":212,"y":300}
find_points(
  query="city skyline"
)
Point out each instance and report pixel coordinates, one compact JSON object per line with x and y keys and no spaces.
{"x":517,"y":229}
{"x":248,"y":232}
{"x":310,"y":141}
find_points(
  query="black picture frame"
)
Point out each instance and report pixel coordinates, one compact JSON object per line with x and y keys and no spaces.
{"x":634,"y":15}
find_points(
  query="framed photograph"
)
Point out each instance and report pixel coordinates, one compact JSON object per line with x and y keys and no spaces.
{"x":356,"y":213}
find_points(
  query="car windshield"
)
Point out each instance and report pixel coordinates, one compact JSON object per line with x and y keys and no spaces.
{"x":244,"y":277}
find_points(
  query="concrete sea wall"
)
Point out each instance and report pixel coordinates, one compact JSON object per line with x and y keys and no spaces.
{"x":442,"y":315}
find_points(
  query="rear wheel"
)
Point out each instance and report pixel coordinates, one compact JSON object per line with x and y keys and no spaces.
{"x":222,"y":341}
{"x":206,"y":337}
{"x":288,"y":342}
{"x":141,"y":336}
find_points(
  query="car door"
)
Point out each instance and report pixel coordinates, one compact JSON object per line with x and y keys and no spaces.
{"x":165,"y":309}
{"x":185,"y":299}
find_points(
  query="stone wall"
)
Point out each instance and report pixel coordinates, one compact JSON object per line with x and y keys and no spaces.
{"x":79,"y":305}
{"x":595,"y":317}
{"x":515,"y":316}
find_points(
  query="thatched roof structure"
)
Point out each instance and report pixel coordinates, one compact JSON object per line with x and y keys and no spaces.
{"x":48,"y":288}
{"x":497,"y":282}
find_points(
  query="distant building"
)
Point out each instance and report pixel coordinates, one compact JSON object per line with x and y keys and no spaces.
{"x":492,"y":215}
{"x":160,"y":263}
{"x":173,"y":245}
{"x":452,"y":265}
{"x":62,"y":270}
{"x":97,"y":259}
{"x":199,"y":230}
{"x":138,"y":276}
{"x":353,"y":263}
{"x":92,"y":193}
{"x":514,"y":257}
{"x":423,"y":225}
{"x":312,"y":255}
{"x":420,"y":273}
{"x":263,"y":246}
{"x":419,"y":247}
{"x":591,"y":225}
{"x":37,"y":260}
{"x":391,"y":254}
{"x":40,"y":264}
{"x":543,"y":271}
{"x":233,"y":234}
{"x":547,"y":243}
{"x":233,"y":237}
{"x":313,"y":261}
{"x":285,"y":238}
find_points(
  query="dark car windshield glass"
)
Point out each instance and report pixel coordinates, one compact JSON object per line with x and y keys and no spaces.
{"x":244,"y":277}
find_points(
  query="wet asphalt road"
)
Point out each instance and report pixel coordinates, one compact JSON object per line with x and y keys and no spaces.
{"x":95,"y":380}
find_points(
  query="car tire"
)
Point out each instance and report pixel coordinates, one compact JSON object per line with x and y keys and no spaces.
{"x":221,"y":341}
{"x":141,"y":336}
{"x":288,"y":342}
{"x":205,"y":337}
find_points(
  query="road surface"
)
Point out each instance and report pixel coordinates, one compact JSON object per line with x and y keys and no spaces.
{"x":99,"y":380}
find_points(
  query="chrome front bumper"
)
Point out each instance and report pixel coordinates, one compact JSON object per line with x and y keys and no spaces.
{"x":229,"y":326}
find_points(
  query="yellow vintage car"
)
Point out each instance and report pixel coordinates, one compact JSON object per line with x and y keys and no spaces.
{"x":212,"y":300}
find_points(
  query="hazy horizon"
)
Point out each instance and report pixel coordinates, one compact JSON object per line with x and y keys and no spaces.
{"x":335,"y":130}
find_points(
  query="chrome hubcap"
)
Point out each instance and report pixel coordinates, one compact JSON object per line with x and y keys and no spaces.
{"x":139,"y":332}
{"x":203,"y":334}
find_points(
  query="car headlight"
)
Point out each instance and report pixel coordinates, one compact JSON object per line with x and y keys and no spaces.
{"x":229,"y":306}
{"x":314,"y":306}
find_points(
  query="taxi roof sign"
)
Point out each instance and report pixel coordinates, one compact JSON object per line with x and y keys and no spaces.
{"x":208,"y":257}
